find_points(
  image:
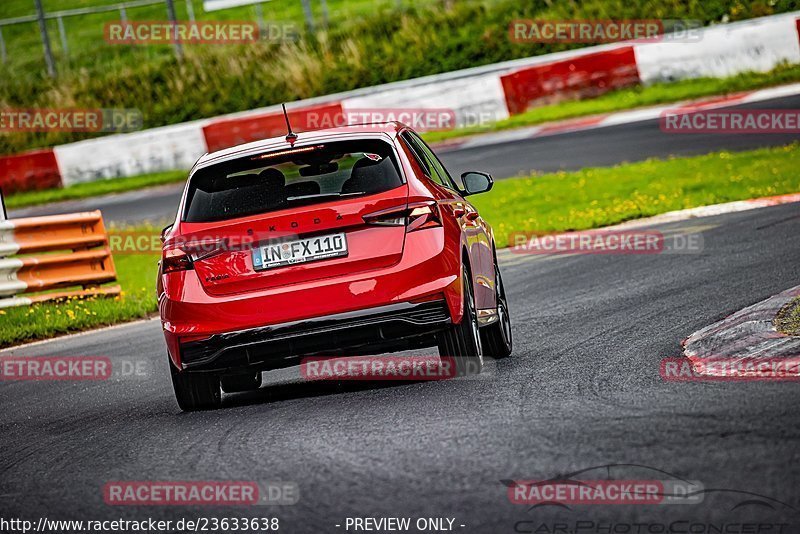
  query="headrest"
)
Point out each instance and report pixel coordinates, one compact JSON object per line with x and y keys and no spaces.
{"x":273,"y":177}
{"x":301,"y":189}
{"x":368,"y":176}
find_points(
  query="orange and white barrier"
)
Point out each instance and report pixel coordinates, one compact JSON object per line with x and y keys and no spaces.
{"x":77,"y":254}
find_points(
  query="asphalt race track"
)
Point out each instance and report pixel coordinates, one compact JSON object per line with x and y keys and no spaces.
{"x":581,"y":390}
{"x":566,"y":151}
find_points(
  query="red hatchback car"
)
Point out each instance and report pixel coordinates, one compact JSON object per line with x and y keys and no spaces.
{"x":346,"y":241}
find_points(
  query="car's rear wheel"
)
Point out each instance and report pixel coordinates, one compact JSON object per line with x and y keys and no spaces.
{"x":196,"y":391}
{"x":496,"y":337}
{"x":242,"y":382}
{"x":462,"y":342}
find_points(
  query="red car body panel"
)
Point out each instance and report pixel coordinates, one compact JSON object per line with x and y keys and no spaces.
{"x":223,"y":293}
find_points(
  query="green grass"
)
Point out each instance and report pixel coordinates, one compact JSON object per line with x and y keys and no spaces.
{"x":634,"y":97}
{"x":589,"y":198}
{"x":85,"y":43}
{"x":93,"y":189}
{"x":597,"y":197}
{"x":84,"y":33}
{"x":788,"y":319}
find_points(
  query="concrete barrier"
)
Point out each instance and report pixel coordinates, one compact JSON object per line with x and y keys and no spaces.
{"x":155,"y":150}
{"x":36,"y":169}
{"x":472,"y":100}
{"x":228,"y":132}
{"x":724,"y":50}
{"x":584,"y":76}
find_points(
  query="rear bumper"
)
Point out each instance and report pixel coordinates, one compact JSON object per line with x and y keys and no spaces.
{"x":427,"y":270}
{"x":395,"y":326}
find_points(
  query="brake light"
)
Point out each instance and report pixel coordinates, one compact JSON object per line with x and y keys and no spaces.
{"x":285,"y":152}
{"x":391,"y":217}
{"x":174,"y":260}
{"x":203,"y":249}
{"x":413,"y":216}
{"x":423,"y":216}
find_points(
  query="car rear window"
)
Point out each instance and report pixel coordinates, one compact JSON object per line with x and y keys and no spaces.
{"x":293,"y":177}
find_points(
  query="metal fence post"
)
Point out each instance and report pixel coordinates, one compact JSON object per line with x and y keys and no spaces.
{"x":174,"y":20}
{"x":63,"y":33}
{"x":190,"y":10}
{"x":325,"y":21}
{"x":309,"y":14}
{"x":3,"y":56}
{"x":48,"y":52}
{"x":260,"y":19}
{"x":123,"y":16}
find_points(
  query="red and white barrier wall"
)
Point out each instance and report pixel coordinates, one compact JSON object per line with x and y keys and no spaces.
{"x":584,"y":76}
{"x":227,"y":132}
{"x":36,"y":169}
{"x":724,"y":50}
{"x":487,"y":93}
{"x":158,"y":149}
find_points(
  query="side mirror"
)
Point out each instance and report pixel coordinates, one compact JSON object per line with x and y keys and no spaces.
{"x":165,"y":230}
{"x":476,"y":182}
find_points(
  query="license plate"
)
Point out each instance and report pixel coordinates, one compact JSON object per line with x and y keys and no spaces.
{"x":299,"y":251}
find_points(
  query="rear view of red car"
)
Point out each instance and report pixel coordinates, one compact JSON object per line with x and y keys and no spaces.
{"x":346,"y":241}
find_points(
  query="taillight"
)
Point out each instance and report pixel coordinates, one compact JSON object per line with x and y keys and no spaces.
{"x":174,"y":260}
{"x":413,"y":216}
{"x":180,"y":254}
{"x":206,"y":248}
{"x":425,"y":215}
{"x":390,"y":217}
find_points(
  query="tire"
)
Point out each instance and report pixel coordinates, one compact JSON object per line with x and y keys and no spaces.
{"x":496,"y":337}
{"x":239,"y":383}
{"x":462,"y":342}
{"x":196,"y":391}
